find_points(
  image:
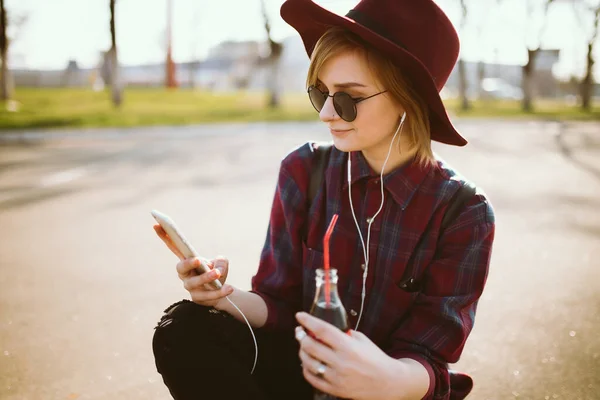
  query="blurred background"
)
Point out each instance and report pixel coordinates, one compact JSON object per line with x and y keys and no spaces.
{"x":112,"y":108}
{"x":60,"y":59}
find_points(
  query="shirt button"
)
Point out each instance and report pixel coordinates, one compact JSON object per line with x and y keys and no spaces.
{"x":369,"y":220}
{"x":353,"y":313}
{"x":363,"y":266}
{"x":376,"y":181}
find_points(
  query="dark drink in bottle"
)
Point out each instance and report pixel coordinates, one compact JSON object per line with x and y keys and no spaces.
{"x":328,"y":307}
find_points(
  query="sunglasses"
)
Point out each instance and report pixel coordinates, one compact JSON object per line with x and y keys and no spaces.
{"x":344,"y":104}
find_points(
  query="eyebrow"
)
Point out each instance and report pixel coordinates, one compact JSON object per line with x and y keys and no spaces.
{"x":345,"y":85}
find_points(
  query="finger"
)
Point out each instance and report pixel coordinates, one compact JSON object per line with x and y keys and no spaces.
{"x":300,"y":334}
{"x":196,"y":282}
{"x":184,"y":267}
{"x":312,"y":363}
{"x":318,"y":383}
{"x":319,"y":351}
{"x":167,"y":240}
{"x":324,"y":331}
{"x":221,"y":263}
{"x":201,"y":296}
{"x":159,"y":230}
{"x":358,"y":336}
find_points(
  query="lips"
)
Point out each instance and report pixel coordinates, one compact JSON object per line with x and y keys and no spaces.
{"x":339,"y":132}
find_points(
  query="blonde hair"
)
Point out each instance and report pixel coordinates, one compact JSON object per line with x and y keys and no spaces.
{"x":337,"y":41}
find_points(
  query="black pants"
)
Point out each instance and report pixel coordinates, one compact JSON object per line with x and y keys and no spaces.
{"x":205,"y":354}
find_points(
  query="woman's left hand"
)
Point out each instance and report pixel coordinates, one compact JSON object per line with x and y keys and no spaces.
{"x":352,"y":365}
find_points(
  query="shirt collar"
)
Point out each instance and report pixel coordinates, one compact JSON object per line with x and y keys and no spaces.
{"x":402,"y":183}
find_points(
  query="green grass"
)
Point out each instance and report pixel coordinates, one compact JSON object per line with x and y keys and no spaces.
{"x":85,"y":108}
{"x":55,"y":108}
{"x":543,"y":109}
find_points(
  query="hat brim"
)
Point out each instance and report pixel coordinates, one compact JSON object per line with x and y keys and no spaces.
{"x":312,"y":21}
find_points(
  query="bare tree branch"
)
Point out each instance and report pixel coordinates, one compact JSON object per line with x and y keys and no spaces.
{"x":465,"y":11}
{"x":545,"y":20}
{"x":5,"y":95}
{"x":463,"y":83}
{"x":113,"y":35}
{"x":528,"y":81}
{"x":588,"y":81}
{"x":273,"y":60}
{"x":3,"y":28}
{"x":596,"y":24}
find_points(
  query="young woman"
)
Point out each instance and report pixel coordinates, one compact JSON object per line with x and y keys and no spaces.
{"x":410,"y":289}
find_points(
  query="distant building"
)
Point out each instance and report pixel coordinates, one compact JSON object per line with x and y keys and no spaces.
{"x":509,"y":76}
{"x":232,"y":66}
{"x":545,"y":83}
{"x":71,"y":75}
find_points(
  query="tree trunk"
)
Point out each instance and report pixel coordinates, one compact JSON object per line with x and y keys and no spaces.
{"x":274,"y":90}
{"x":170,"y":68}
{"x":274,"y":87}
{"x":587,"y":85}
{"x":117,"y":95}
{"x":5,"y":89}
{"x":588,"y":81}
{"x":463,"y":86}
{"x":273,"y":61}
{"x":480,"y":77}
{"x":116,"y":89}
{"x":192,"y":72}
{"x":528,"y":83}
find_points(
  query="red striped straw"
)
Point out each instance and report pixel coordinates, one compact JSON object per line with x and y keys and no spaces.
{"x":326,"y":258}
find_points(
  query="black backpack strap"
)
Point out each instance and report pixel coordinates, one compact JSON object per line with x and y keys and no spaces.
{"x":456,"y":205}
{"x":320,"y":160}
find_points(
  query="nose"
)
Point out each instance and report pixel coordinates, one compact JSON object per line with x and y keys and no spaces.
{"x":328,"y":112}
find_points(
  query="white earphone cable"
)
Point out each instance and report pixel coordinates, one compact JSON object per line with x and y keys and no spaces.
{"x":366,"y":249}
{"x":251,"y":332}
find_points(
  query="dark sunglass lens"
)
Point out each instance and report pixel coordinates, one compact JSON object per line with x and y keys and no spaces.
{"x":344,"y":106}
{"x":317,"y":98}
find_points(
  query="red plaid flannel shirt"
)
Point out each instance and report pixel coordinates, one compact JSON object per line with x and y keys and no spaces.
{"x":429,"y":325}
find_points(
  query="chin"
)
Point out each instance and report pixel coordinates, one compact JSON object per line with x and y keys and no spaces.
{"x":345,"y":145}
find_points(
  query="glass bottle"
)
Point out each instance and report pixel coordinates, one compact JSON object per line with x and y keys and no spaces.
{"x":331,"y":310}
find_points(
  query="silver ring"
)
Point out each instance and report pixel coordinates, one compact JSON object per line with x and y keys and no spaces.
{"x":321,"y":369}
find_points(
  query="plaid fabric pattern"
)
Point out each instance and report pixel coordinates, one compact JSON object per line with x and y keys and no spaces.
{"x":430,"y":324}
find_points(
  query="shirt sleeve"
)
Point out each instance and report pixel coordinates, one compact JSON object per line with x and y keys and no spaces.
{"x":442,"y":315}
{"x":279,"y":277}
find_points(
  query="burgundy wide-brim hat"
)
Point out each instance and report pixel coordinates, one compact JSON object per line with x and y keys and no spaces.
{"x":415,"y":34}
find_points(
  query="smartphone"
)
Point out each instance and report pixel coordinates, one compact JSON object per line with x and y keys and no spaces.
{"x":182,"y":244}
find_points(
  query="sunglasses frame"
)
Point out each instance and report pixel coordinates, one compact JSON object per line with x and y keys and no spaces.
{"x":337,"y":107}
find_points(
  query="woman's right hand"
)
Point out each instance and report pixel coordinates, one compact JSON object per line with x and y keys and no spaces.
{"x":196,"y":283}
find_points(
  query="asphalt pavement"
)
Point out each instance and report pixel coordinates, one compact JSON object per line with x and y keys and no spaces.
{"x":83,"y":279}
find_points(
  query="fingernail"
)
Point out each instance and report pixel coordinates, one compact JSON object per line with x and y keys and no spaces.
{"x":300,"y":334}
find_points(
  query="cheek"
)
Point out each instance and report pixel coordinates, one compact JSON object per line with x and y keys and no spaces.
{"x":374,"y":124}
